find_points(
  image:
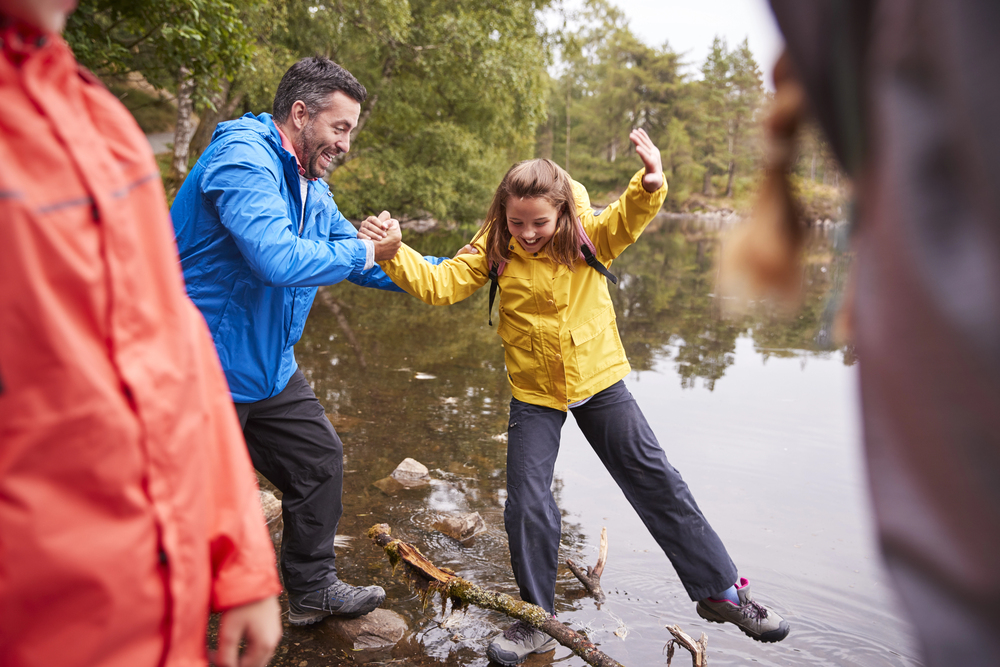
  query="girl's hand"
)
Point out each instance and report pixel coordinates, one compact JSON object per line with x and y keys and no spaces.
{"x":650,"y":155}
{"x":374,"y":229}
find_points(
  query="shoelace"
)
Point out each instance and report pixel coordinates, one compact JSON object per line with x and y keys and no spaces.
{"x":517,"y":631}
{"x":753,"y":610}
{"x":338,"y":591}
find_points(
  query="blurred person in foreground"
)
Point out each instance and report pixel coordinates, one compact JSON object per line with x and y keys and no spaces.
{"x":907,"y":93}
{"x":128,"y":506}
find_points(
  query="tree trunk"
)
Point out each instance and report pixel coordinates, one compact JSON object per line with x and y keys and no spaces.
{"x":185,"y":126}
{"x":732,"y":177}
{"x":568,"y":98}
{"x":225,"y":108}
{"x":706,"y":186}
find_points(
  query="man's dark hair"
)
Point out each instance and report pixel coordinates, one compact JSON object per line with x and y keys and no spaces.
{"x":312,"y":80}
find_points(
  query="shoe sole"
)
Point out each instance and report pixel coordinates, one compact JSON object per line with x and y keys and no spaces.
{"x":768,"y":637}
{"x":544,"y":648}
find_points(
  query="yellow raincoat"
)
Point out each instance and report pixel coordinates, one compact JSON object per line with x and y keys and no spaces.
{"x":560,"y":341}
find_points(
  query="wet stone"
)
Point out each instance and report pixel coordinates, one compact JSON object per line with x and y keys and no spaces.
{"x":380,"y":629}
{"x":409,"y":474}
{"x":411,"y":471}
{"x":461,"y":527}
{"x":271,"y":507}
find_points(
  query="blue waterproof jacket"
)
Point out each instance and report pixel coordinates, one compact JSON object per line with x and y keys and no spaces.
{"x":247,"y":267}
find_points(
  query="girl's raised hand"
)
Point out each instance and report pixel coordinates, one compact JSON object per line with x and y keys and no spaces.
{"x":650,"y":155}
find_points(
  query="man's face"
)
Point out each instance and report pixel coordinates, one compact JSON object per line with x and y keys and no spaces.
{"x":327,"y":134}
{"x":46,"y":15}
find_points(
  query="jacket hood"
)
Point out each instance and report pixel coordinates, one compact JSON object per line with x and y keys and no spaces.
{"x":262,"y":125}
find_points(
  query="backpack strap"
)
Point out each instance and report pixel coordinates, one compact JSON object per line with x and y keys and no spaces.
{"x":594,"y":263}
{"x":587,"y":250}
{"x":495,"y":272}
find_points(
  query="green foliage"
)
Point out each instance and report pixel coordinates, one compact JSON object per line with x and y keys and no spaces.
{"x":611,"y":83}
{"x":159,"y":37}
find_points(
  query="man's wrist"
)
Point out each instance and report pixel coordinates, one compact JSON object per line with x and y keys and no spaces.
{"x":369,"y":253}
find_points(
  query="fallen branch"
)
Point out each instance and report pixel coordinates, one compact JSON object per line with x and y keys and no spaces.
{"x":698,"y":649}
{"x":429,"y":578}
{"x":591,"y":580}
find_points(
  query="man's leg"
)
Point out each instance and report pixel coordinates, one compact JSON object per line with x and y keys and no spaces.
{"x":294,"y":446}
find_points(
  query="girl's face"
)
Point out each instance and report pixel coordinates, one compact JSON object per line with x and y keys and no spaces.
{"x":532,"y":221}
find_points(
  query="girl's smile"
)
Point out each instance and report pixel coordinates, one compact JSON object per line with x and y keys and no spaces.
{"x":532,"y":221}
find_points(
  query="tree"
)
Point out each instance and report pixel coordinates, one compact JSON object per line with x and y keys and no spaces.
{"x":188,"y":46}
{"x":727,"y":100}
{"x":610,"y":83}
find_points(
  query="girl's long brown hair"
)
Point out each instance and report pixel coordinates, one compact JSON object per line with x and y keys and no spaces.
{"x":530,"y":179}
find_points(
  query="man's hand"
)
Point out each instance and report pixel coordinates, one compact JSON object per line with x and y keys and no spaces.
{"x":259,"y":623}
{"x":650,"y":156}
{"x":467,"y":249}
{"x":386,"y":247}
{"x":374,"y":228}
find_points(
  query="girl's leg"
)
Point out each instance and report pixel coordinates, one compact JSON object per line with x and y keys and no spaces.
{"x":617,"y":430}
{"x":530,"y":515}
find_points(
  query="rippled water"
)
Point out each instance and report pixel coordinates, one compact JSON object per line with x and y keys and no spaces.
{"x":760,"y":418}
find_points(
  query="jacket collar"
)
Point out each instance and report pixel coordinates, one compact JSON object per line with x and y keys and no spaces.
{"x":20,"y":40}
{"x":515,"y":249}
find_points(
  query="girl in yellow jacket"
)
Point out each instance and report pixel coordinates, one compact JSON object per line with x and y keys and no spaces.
{"x":563,"y":352}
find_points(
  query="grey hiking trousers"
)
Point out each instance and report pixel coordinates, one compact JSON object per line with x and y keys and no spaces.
{"x":620,"y":435}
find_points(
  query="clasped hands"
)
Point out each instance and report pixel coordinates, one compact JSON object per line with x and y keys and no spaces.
{"x":383,"y":231}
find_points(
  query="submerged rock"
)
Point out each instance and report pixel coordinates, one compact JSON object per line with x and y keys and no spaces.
{"x":380,"y":629}
{"x":409,"y":474}
{"x":462,"y":527}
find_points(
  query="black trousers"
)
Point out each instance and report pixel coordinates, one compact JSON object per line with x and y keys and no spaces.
{"x":295,"y":447}
{"x":620,"y":435}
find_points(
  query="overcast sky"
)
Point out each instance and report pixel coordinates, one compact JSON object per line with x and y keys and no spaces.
{"x":690,"y":25}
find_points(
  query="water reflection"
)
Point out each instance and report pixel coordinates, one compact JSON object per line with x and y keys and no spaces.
{"x":757,"y":412}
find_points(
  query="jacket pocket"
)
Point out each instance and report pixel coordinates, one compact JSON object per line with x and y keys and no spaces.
{"x":522,"y":368}
{"x":596,"y":345}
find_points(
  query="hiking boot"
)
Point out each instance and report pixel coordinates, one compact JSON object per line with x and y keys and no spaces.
{"x":517,"y":642}
{"x":337,"y":599}
{"x":754,"y":619}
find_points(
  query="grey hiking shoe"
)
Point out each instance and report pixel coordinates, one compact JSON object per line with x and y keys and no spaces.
{"x":338,"y":599}
{"x":517,"y":642}
{"x":754,"y":619}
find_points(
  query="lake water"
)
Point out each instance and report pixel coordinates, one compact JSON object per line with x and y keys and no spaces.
{"x":758,"y":413}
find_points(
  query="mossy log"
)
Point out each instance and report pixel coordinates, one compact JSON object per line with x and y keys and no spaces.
{"x":430,"y":579}
{"x":591,"y":579}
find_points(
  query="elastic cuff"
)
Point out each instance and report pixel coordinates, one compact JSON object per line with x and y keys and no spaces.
{"x":369,"y":253}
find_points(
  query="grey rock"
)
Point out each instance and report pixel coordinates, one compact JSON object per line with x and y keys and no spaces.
{"x":380,"y":629}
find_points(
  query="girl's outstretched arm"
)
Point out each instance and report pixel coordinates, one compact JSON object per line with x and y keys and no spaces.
{"x":441,"y":284}
{"x":619,"y":225}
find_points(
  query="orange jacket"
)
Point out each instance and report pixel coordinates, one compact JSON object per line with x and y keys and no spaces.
{"x":128,"y":506}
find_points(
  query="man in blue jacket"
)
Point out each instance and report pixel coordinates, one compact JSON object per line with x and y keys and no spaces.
{"x":258,"y":231}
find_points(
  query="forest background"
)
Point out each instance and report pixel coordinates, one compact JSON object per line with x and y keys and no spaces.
{"x":458,"y":90}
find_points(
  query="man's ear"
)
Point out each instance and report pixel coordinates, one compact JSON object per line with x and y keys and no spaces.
{"x":299,"y":115}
